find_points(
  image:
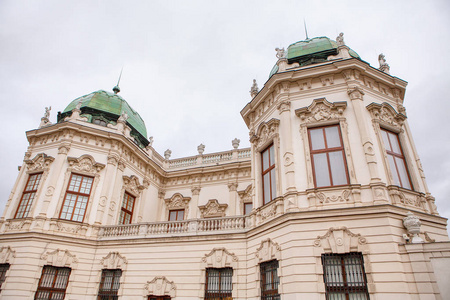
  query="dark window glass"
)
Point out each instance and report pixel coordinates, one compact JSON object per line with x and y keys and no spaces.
{"x":53,"y":283}
{"x":396,"y":159}
{"x":28,"y":195}
{"x":327,"y":156}
{"x":126,"y":212}
{"x":248,"y":208}
{"x":268,"y":174}
{"x":151,"y":297}
{"x":344,"y":276}
{"x":219,"y":283}
{"x":269,"y":280}
{"x":77,"y":197}
{"x":3,"y":269}
{"x":176,"y":215}
{"x":109,"y":285}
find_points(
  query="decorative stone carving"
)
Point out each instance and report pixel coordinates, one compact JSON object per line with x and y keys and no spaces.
{"x":385,"y":113}
{"x":7,"y":255}
{"x":78,"y":106}
{"x":85,"y":163}
{"x":321,"y":110}
{"x":268,"y":250}
{"x":132,"y":184}
{"x":17,"y":225}
{"x":281,"y":53}
{"x":340,"y":39}
{"x":246,"y":195}
{"x":284,"y":106}
{"x":384,"y":67}
{"x":235,"y":143}
{"x":177,"y":201}
{"x":59,"y":258}
{"x":213,"y":209}
{"x":114,"y":261}
{"x":160,"y":286}
{"x":232,"y":186}
{"x":123,"y":117}
{"x":167,"y":153}
{"x":45,"y":119}
{"x":113,"y":160}
{"x":265,"y":133}
{"x":39,"y":163}
{"x":343,"y":197}
{"x":355,"y":93}
{"x":64,"y":149}
{"x":220,"y":258}
{"x":327,"y":80}
{"x":254,"y":89}
{"x":412,"y":225}
{"x":268,"y":211}
{"x":340,"y":240}
{"x":304,"y":84}
{"x":195,"y":190}
{"x":201,"y":149}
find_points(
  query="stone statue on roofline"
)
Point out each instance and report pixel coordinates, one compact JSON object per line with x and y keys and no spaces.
{"x":47,"y":112}
{"x":340,"y":39}
{"x":79,"y":105}
{"x":281,"y":53}
{"x":123,"y":117}
{"x":235,"y":143}
{"x":254,"y":89}
{"x":384,"y":67}
{"x":201,"y":149}
{"x":45,"y":119}
{"x":167,"y":154}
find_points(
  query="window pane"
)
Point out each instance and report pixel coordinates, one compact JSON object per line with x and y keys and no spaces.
{"x":394,"y":143}
{"x":321,"y":169}
{"x":272,"y":155}
{"x":265,"y":155}
{"x":273,"y":184}
{"x":403,"y":173}
{"x":180,"y":215}
{"x":317,"y":139}
{"x":386,"y":140}
{"x":333,"y":138}
{"x":248,"y":208}
{"x":393,"y":170}
{"x":266,"y":179}
{"x":172,"y":215}
{"x":337,"y":166}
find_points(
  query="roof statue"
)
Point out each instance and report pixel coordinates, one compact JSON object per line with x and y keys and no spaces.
{"x":340,"y":39}
{"x":150,"y":141}
{"x":47,"y":112}
{"x":201,"y":149}
{"x":254,"y":89}
{"x":235,"y":143}
{"x":383,"y":64}
{"x":281,"y":53}
{"x":167,"y":154}
{"x":123,"y":117}
{"x":79,"y":105}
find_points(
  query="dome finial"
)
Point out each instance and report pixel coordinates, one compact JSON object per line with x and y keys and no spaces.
{"x":306,"y":31}
{"x":116,"y":89}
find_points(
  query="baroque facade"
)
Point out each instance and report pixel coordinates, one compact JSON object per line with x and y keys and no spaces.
{"x":330,"y":201}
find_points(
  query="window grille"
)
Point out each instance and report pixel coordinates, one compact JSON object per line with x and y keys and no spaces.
{"x":269,"y":280}
{"x":219,"y":285}
{"x":28,"y":195}
{"x":327,"y":156}
{"x":344,"y":276}
{"x":109,"y":285}
{"x":53,"y":283}
{"x":126,"y":212}
{"x":396,"y":159}
{"x":3,"y":269}
{"x":77,"y":197}
{"x":268,"y":174}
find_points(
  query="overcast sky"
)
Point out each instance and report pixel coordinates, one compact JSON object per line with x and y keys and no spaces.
{"x":189,"y":65}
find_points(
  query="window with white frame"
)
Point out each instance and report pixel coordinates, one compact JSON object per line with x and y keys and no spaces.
{"x":268,"y":174}
{"x":76,"y":198}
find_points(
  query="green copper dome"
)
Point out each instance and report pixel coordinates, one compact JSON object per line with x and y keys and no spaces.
{"x":108,"y":107}
{"x":311,"y":51}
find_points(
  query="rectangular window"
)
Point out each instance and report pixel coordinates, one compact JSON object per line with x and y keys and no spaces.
{"x":344,"y":276}
{"x":396,"y":159}
{"x":269,"y":280}
{"x":151,"y":297}
{"x":248,"y":208}
{"x":327,"y":156}
{"x":109,"y":285}
{"x":3,"y":269}
{"x":176,"y":215}
{"x":53,"y":283}
{"x":268,"y":174}
{"x":28,"y":195}
{"x":219,"y":283}
{"x":126,"y":213}
{"x":77,"y":197}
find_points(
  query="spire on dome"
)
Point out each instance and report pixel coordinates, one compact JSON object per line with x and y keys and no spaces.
{"x":116,"y":89}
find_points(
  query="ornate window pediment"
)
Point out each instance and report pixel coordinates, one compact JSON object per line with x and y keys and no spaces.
{"x":59,"y":258}
{"x":220,"y":258}
{"x":321,"y":110}
{"x":114,"y":261}
{"x":39,"y":163}
{"x":340,"y":240}
{"x":268,"y":250}
{"x":177,"y":201}
{"x":265,"y":133}
{"x":213,"y":209}
{"x":385,"y":114}
{"x":160,"y":286}
{"x":132,"y":184}
{"x":7,"y":255}
{"x":85,"y":163}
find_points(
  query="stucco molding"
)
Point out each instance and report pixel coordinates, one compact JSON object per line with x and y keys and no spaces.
{"x":59,"y":258}
{"x":114,"y":261}
{"x":268,"y":250}
{"x":7,"y":255}
{"x":265,"y":133}
{"x":340,"y":240}
{"x":40,"y":162}
{"x":86,"y":164}
{"x":220,"y":258}
{"x":213,"y":209}
{"x":386,"y":115}
{"x":160,"y":286}
{"x":132,"y":185}
{"x":321,"y":110}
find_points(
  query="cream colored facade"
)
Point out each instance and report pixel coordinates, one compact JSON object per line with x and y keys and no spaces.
{"x":302,"y":222}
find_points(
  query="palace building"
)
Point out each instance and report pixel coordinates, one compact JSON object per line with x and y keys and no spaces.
{"x":329,"y":202}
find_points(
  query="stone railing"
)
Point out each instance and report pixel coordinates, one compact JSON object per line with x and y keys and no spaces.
{"x":207,"y":159}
